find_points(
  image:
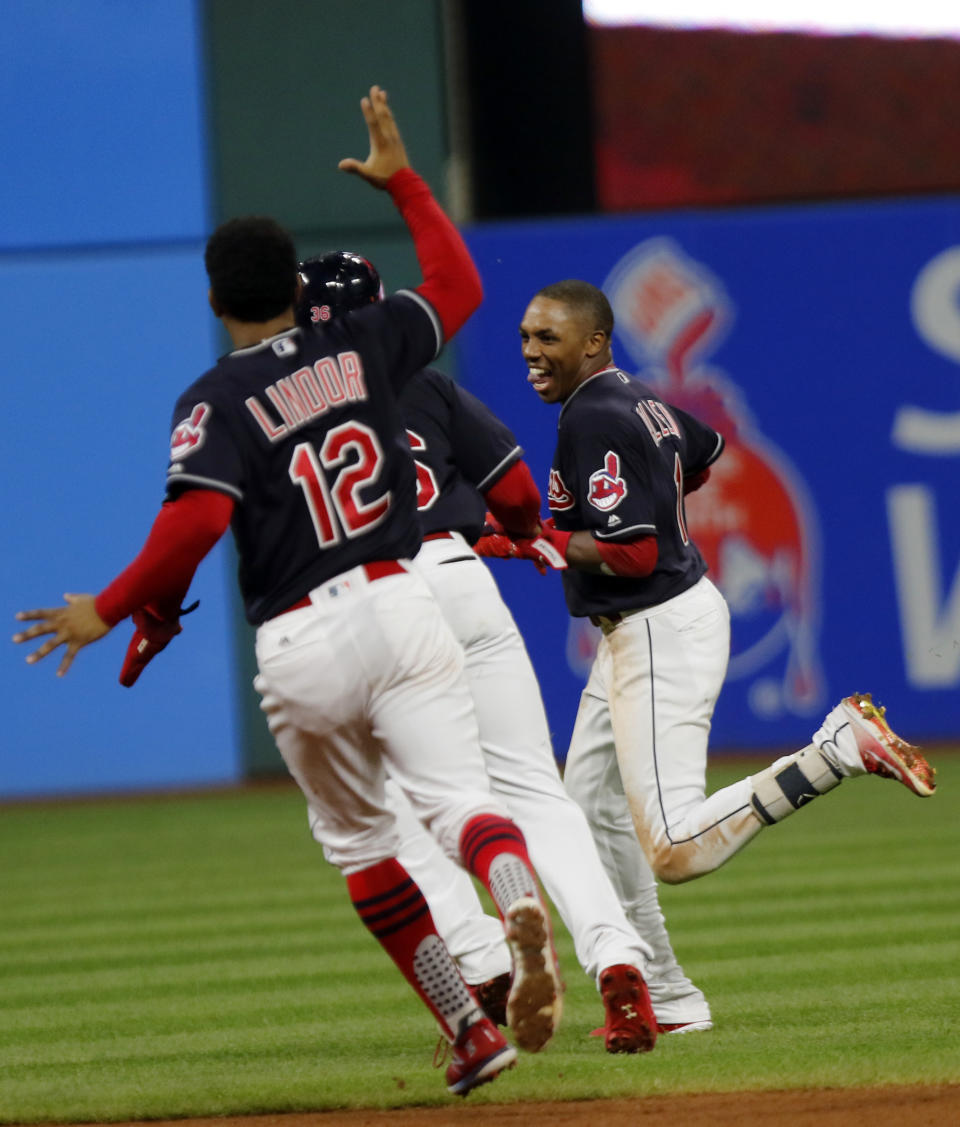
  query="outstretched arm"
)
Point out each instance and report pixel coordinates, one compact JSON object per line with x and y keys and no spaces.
{"x":451,"y":282}
{"x":182,"y":534}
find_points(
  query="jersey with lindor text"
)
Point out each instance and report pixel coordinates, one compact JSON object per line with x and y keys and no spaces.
{"x":304,"y":432}
{"x":618,"y":470}
{"x":461,"y":449}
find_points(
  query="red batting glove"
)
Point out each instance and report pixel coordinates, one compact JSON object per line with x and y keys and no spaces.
{"x":491,"y":525}
{"x":549,"y":549}
{"x":558,"y":539}
{"x":496,"y":545}
{"x":499,"y":546}
{"x":152,"y":633}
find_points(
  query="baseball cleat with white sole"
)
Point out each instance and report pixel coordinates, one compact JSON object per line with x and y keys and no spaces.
{"x":535,"y":1001}
{"x":685,"y":1027}
{"x":883,"y":752}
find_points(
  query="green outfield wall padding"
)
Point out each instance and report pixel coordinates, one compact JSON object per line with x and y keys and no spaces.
{"x":284,"y":83}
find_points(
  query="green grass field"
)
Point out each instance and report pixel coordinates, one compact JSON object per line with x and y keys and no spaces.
{"x":194,"y":956}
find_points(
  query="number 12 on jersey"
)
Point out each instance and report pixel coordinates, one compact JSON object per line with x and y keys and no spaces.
{"x":353,"y":455}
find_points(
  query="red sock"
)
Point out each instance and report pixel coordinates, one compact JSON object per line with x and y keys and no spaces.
{"x":494,"y":850}
{"x":393,"y":908}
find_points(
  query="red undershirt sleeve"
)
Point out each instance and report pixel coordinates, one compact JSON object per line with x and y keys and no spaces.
{"x":692,"y":483}
{"x":636,"y":559}
{"x":451,"y":282}
{"x":183,"y":533}
{"x":515,"y":500}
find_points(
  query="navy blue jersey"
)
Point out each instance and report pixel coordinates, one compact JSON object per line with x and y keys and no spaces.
{"x":621,"y":457}
{"x":304,"y":432}
{"x":461,"y":449}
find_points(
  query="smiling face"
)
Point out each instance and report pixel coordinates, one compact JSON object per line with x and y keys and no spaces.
{"x":561,"y":347}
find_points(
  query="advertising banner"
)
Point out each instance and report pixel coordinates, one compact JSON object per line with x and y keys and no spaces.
{"x":824,"y":343}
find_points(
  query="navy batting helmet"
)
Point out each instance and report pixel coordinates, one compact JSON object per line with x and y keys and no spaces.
{"x":335,"y":283}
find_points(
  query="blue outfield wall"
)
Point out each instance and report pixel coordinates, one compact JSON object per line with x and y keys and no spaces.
{"x":824,"y":342}
{"x":103,"y":218}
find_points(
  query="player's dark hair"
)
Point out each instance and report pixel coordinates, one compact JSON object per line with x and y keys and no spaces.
{"x":252,"y":266}
{"x":587,"y":299}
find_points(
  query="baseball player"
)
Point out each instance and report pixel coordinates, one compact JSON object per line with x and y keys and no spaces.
{"x":294,"y":439}
{"x":469,"y":461}
{"x":624,"y":460}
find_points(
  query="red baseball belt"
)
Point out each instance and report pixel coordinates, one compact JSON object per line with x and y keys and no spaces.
{"x":377,"y":569}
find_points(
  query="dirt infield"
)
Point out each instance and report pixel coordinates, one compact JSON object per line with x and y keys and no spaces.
{"x":848,"y":1107}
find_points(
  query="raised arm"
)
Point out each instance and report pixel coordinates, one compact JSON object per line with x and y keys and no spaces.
{"x":451,"y":282}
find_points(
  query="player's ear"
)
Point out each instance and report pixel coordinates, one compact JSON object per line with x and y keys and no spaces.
{"x":597,"y":341}
{"x":214,"y":304}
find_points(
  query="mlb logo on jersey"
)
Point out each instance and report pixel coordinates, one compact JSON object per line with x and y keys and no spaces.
{"x":284,"y":346}
{"x":606,"y":487}
{"x":189,"y":434}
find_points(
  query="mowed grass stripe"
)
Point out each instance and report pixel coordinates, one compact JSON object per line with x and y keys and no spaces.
{"x":850,"y":887}
{"x":177,"y":880}
{"x":780,"y":938}
{"x":158,"y":934}
{"x":229,"y":1040}
{"x":284,"y":1004}
{"x":151,"y":917}
{"x":146,"y":981}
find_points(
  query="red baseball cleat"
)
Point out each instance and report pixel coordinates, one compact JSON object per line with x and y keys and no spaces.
{"x":631,"y":1025}
{"x":480,"y":1054}
{"x":883,"y":752}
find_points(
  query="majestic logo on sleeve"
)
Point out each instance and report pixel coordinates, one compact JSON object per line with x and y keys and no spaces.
{"x":189,"y":434}
{"x":559,"y":496}
{"x":607,"y":487}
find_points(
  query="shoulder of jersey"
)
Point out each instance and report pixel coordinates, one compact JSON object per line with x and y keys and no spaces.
{"x":435,"y":376}
{"x":205,"y":385}
{"x":428,"y":383}
{"x":598,"y":395}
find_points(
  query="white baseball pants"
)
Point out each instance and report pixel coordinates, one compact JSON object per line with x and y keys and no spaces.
{"x":519,"y":760}
{"x":640,"y":742}
{"x":369,"y":674}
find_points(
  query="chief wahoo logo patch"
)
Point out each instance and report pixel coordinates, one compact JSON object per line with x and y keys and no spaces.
{"x":189,"y":433}
{"x":607,"y":487}
{"x":559,"y":496}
